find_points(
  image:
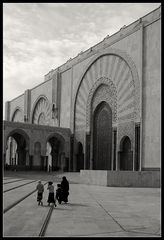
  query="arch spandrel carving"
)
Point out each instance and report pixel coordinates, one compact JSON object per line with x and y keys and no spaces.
{"x":120,"y":69}
{"x":41,"y":113}
{"x":126,"y":129}
{"x":102,"y":90}
{"x":17,"y":115}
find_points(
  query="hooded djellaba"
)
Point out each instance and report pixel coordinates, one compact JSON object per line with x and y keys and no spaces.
{"x":65,"y":189}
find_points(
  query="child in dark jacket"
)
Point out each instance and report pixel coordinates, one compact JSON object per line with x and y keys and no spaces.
{"x":59,"y":193}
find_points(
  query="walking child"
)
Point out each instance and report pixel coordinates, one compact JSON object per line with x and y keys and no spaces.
{"x":59,"y":193}
{"x":40,"y":189}
{"x":51,"y":196}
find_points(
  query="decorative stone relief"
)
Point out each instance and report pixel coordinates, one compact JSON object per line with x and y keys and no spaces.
{"x":102,"y":90}
{"x":117,"y":71}
{"x":42,"y":112}
{"x":126,"y":129}
{"x":17,"y":115}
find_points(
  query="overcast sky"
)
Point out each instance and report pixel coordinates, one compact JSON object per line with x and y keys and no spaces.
{"x":38,"y":37}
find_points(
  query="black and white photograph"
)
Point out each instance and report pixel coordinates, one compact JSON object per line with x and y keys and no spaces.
{"x":81,"y":153}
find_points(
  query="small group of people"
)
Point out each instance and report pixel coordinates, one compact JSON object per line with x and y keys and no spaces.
{"x":62,"y":192}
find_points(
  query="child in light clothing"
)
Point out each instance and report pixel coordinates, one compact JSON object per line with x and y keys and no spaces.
{"x":40,"y":189}
{"x":51,"y":196}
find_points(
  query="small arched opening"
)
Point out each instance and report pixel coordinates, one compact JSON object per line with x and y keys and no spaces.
{"x":17,"y":152}
{"x":126,"y":155}
{"x":80,"y":156}
{"x":56,"y":159}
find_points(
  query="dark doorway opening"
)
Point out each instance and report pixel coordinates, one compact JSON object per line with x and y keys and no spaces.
{"x":102,"y":137}
{"x":80,"y":157}
{"x":126,"y":155}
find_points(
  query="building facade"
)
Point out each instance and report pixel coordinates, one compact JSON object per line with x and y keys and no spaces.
{"x":106,"y":101}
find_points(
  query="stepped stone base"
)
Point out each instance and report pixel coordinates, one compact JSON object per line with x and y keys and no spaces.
{"x":121,"y":178}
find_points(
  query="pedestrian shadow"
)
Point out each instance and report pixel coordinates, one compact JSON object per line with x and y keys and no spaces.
{"x":66,"y":204}
{"x":62,"y":209}
{"x":45,"y":206}
{"x":77,"y":204}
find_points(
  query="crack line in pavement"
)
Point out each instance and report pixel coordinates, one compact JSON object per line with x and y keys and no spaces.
{"x":132,"y":231}
{"x":140,"y":229}
{"x":18,"y":186}
{"x":107,"y":212}
{"x":14,"y":181}
{"x":90,"y":234}
{"x":20,"y":200}
{"x":118,"y":222}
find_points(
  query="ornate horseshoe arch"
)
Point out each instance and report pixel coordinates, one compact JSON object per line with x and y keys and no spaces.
{"x":102,"y":90}
{"x":41,"y":113}
{"x":117,"y":70}
{"x":17,"y":115}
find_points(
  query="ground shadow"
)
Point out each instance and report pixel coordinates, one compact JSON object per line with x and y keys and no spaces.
{"x":77,"y":204}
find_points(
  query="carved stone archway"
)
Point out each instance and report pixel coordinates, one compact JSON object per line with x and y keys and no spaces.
{"x":102,"y":137}
{"x":102,"y":90}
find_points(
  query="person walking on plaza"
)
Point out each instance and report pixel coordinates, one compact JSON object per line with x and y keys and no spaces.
{"x":51,"y":196}
{"x":65,"y":189}
{"x":40,"y":189}
{"x":59,"y":193}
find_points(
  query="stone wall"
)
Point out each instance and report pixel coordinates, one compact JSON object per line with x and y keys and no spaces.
{"x":17,"y":103}
{"x":121,"y":178}
{"x":65,"y":103}
{"x":152,"y":96}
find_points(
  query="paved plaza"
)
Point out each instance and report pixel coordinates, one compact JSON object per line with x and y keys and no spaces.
{"x":92,"y":211}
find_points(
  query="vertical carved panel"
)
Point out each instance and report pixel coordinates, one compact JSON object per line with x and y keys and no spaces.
{"x":115,"y":148}
{"x":27,"y":105}
{"x":102,"y":138}
{"x":137,"y":147}
{"x":87,"y":154}
{"x":71,"y":153}
{"x":7,"y":111}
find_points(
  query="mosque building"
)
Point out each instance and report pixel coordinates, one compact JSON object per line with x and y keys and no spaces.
{"x":98,"y":113}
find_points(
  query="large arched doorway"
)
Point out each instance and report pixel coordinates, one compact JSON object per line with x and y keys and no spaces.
{"x":55,"y":145}
{"x":80,"y":156}
{"x":126,"y":155}
{"x":102,"y":137}
{"x":56,"y":159}
{"x":19,"y":151}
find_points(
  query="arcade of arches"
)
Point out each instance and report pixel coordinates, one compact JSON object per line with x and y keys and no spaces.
{"x":24,"y":150}
{"x":106,"y":134}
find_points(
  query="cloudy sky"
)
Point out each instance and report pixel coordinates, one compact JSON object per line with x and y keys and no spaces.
{"x":38,"y":37}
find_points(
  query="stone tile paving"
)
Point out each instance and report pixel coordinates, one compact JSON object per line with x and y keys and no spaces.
{"x":97,"y":211}
{"x":14,"y":195}
{"x":26,"y":218}
{"x":15,"y":184}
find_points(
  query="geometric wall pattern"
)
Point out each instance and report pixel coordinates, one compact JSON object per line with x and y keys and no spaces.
{"x":118,"y":74}
{"x":17,"y":116}
{"x":42,"y":112}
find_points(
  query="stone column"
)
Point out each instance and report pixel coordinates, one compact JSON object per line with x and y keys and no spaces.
{"x":133,"y":159}
{"x":112,"y":163}
{"x":62,"y":161}
{"x":27,"y":157}
{"x":91,"y":152}
{"x":45,"y":168}
{"x":87,"y":151}
{"x":71,"y":153}
{"x":7,"y":111}
{"x":74,"y":156}
{"x":117,"y":160}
